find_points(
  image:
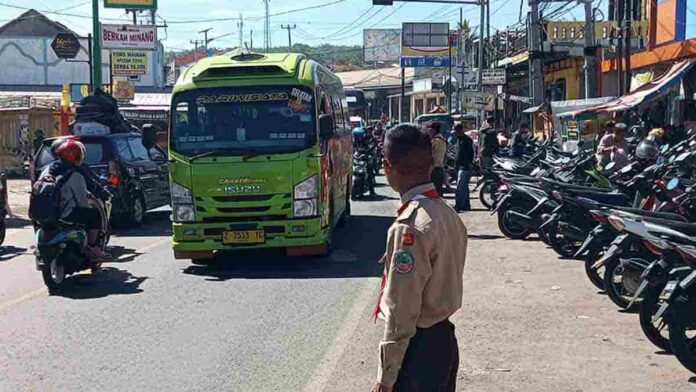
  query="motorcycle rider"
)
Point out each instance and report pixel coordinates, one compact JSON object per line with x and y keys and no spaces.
{"x":74,"y":193}
{"x":614,"y":148}
{"x":520,"y":140}
{"x":362,"y":142}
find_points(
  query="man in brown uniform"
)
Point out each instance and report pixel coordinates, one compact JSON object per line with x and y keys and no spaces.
{"x":422,"y":280}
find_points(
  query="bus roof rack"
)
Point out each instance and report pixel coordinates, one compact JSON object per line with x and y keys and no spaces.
{"x":240,"y":54}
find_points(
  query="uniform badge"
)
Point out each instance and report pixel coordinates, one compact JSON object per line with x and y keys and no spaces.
{"x":403,"y":261}
{"x":408,"y":239}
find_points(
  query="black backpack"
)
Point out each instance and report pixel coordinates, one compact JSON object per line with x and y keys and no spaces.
{"x":45,"y":200}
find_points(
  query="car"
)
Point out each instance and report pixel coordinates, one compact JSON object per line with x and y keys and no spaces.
{"x":357,"y":122}
{"x":139,"y":176}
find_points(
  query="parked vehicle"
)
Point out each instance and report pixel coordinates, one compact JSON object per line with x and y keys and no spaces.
{"x":138,"y":171}
{"x":361,"y":176}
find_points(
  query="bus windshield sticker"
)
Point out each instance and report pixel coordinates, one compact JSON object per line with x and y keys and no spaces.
{"x":298,"y":106}
{"x":235,"y":98}
{"x":273,"y":136}
{"x":302,"y":96}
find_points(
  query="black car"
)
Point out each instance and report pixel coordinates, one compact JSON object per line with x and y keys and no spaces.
{"x":139,"y":176}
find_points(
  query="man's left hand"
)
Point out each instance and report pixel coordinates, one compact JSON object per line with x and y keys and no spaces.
{"x":381,"y":388}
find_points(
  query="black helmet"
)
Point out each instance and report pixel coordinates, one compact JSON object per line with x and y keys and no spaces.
{"x":648,"y":150}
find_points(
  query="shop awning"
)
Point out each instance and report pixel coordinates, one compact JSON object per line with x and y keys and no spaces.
{"x":642,"y":94}
{"x":535,"y":109}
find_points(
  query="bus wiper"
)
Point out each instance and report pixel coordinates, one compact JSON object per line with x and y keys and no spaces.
{"x":201,"y":155}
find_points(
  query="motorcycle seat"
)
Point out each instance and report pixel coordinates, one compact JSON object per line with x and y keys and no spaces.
{"x":574,"y":187}
{"x":613,"y":199}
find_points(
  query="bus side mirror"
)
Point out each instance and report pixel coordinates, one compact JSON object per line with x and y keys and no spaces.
{"x":326,"y":126}
{"x":149,"y":132}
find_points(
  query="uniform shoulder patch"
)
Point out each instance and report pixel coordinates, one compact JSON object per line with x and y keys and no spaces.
{"x":403,"y":261}
{"x":408,"y":238}
{"x":407,"y":211}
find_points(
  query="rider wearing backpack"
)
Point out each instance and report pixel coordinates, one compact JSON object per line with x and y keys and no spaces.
{"x":64,"y":182}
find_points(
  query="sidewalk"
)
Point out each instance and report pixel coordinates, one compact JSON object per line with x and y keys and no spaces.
{"x":18,"y":194}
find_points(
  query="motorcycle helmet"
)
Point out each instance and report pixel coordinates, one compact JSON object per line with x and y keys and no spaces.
{"x":70,"y":150}
{"x":647,"y":150}
{"x":358,"y":134}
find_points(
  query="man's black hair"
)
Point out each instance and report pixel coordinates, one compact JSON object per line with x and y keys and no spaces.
{"x":409,"y":149}
{"x":436,"y":126}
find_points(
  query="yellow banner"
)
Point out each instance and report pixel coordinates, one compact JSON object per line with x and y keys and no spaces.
{"x":129,"y":63}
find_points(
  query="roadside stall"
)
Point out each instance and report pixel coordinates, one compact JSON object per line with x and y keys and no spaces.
{"x":569,"y":129}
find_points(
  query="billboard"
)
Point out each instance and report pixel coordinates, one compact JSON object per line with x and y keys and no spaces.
{"x":381,"y":45}
{"x":426,"y":45}
{"x":139,"y":37}
{"x":131,"y":4}
{"x":129,"y":62}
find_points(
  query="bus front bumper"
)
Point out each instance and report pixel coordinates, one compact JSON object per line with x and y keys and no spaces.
{"x":202,"y":240}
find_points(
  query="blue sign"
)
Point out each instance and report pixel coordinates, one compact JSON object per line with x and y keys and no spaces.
{"x":425,"y":61}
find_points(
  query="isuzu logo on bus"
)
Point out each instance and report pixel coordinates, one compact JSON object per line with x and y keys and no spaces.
{"x":242,"y":189}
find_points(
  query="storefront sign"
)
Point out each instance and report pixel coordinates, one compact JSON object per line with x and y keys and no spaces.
{"x":79,"y":91}
{"x":131,"y":4}
{"x":493,"y":76}
{"x":144,"y":115}
{"x":124,"y":90}
{"x":65,"y":45}
{"x":128,"y":37}
{"x":129,"y":63}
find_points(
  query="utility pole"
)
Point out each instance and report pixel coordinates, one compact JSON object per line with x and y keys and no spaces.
{"x":205,"y":39}
{"x":267,"y":27}
{"x":152,"y":16}
{"x":240,"y":24}
{"x":195,"y":49}
{"x":591,"y":90}
{"x":628,"y":8}
{"x":289,"y":29}
{"x":619,"y":46}
{"x":488,"y":31}
{"x":536,"y":75}
{"x":460,"y":59}
{"x":96,"y":47}
{"x":251,"y":40}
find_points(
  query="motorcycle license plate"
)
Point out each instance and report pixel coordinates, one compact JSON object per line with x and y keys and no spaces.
{"x":243,"y":237}
{"x":668,"y":290}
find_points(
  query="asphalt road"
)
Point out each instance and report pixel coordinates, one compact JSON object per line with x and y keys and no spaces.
{"x":258,"y":321}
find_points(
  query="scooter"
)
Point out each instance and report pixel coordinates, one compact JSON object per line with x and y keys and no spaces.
{"x":361,"y":175}
{"x":62,"y":251}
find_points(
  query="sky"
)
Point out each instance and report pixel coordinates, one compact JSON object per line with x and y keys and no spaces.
{"x":325,"y":21}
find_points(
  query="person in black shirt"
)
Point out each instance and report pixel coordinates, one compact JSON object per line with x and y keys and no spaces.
{"x":519,"y":141}
{"x":488,"y":145}
{"x":465,"y":166}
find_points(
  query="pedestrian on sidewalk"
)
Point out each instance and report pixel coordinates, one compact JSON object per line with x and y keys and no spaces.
{"x":439,"y":150}
{"x":465,"y":166}
{"x":488,"y":144}
{"x":423,"y":271}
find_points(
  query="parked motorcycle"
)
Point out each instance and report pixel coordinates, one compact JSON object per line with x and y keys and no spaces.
{"x":361,"y":174}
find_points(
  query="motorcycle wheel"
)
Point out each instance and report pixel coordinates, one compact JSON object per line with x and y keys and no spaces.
{"x":596,"y":275}
{"x":509,"y":228}
{"x":544,"y":236}
{"x":3,"y":231}
{"x":53,"y":274}
{"x":651,"y":303}
{"x":613,"y":285}
{"x":564,"y":247}
{"x":682,"y":338}
{"x":487,"y":196}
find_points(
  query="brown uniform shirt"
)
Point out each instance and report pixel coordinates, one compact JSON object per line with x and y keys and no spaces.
{"x":439,"y":148}
{"x":423,"y":267}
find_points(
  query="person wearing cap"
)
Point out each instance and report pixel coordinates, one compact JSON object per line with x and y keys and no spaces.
{"x":613,"y":147}
{"x":423,"y":273}
{"x":439,"y":148}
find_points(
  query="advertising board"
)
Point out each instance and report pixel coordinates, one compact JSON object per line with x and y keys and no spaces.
{"x":140,"y":37}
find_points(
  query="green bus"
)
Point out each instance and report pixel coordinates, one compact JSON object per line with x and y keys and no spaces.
{"x":260,"y":155}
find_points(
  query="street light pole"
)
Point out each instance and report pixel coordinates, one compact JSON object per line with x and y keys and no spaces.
{"x":96,"y":48}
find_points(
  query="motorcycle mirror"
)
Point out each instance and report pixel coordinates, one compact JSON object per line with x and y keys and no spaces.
{"x":610,"y":166}
{"x":672,"y":158}
{"x":664,"y":148}
{"x":672,"y":184}
{"x":692,"y":143}
{"x":565,"y":160}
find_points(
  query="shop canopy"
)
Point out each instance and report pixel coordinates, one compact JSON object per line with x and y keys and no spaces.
{"x":642,"y":94}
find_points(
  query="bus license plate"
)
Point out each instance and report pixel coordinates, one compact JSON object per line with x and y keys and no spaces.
{"x":244,"y":237}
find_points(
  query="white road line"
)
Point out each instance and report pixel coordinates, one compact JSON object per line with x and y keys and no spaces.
{"x":327,"y":365}
{"x":37,"y":293}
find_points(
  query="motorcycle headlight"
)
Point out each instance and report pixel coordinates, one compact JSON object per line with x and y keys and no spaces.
{"x":306,"y":208}
{"x":184,"y":213}
{"x":307,"y":189}
{"x":181,"y":194}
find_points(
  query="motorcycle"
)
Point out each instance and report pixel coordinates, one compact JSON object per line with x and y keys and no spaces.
{"x":361,"y":174}
{"x":61,"y":251}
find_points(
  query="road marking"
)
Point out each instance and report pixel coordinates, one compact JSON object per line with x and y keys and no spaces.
{"x":37,"y":293}
{"x":328,"y":363}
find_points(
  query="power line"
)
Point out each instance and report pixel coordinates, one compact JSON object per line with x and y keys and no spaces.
{"x":57,"y":12}
{"x":256,"y":18}
{"x":351,"y":23}
{"x":349,"y":33}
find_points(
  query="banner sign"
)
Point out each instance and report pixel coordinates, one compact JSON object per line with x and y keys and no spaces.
{"x":381,"y":45}
{"x":144,"y":115}
{"x":124,"y":90}
{"x":426,"y":45}
{"x":129,"y":63}
{"x":493,"y":76}
{"x":131,"y":4}
{"x":425,"y":62}
{"x":128,"y":37}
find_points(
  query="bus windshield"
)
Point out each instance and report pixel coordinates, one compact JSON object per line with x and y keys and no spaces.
{"x":243,"y":120}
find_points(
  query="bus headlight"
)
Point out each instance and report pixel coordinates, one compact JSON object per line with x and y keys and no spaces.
{"x":307,"y":189}
{"x":306,"y":208}
{"x":181,"y":194}
{"x":183,"y":213}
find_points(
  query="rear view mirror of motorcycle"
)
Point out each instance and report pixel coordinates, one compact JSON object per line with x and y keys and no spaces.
{"x":610,"y":166}
{"x":625,"y":169}
{"x":673,"y":184}
{"x":672,"y":158}
{"x":565,"y":160}
{"x":664,"y":148}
